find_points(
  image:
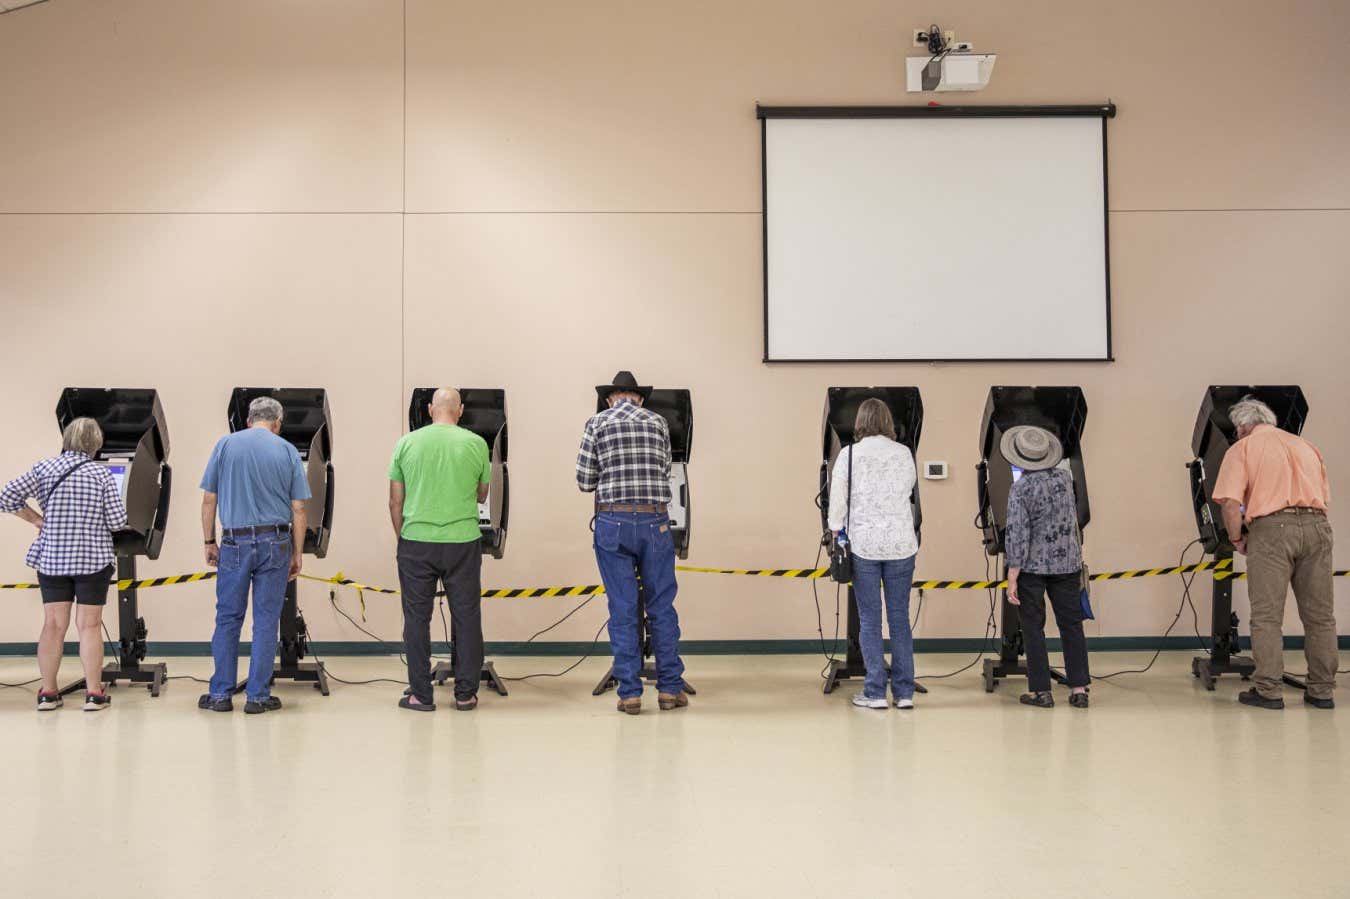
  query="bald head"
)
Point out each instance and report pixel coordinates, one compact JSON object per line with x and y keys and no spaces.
{"x":446,"y":406}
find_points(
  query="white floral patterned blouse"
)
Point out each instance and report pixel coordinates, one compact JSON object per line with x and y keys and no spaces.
{"x":881,"y":524}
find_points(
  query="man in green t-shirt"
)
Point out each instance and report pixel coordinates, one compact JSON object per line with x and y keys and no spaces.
{"x":437,"y":478}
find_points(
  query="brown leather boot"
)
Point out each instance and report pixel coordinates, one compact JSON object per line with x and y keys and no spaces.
{"x":668,"y":701}
{"x":631,"y":706}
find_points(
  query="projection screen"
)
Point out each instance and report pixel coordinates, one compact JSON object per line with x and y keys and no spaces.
{"x":935,"y":234}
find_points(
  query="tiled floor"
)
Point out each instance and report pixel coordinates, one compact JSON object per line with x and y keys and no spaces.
{"x":763,"y":787}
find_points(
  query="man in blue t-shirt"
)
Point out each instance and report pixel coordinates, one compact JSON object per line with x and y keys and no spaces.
{"x":258,"y":483}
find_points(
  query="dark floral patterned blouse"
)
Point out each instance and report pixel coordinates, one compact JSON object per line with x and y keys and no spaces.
{"x":1042,"y":532}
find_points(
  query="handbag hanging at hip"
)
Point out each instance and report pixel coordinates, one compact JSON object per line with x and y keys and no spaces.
{"x":841,"y":553}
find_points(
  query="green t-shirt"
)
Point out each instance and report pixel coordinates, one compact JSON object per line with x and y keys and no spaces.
{"x":441,"y":467}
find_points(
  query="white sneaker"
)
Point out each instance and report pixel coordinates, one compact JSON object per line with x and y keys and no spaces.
{"x":863,"y":702}
{"x":904,"y":703}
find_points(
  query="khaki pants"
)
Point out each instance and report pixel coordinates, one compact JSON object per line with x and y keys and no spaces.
{"x":1292,"y":546}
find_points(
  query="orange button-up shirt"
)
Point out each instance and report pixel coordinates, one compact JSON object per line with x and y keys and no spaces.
{"x":1271,"y":469}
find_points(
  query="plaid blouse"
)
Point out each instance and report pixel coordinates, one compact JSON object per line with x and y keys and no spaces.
{"x":76,"y":537}
{"x":625,"y":456}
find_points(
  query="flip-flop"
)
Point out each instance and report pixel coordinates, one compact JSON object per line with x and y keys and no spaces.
{"x":407,"y":703}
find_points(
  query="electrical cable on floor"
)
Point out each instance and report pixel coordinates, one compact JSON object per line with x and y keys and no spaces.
{"x":1181,"y":607}
{"x":820,"y":625}
{"x":989,"y":627}
{"x":332,"y":599}
{"x":27,"y":683}
{"x":588,"y":654}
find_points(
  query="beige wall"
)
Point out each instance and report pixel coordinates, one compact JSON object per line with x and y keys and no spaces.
{"x":198,"y":196}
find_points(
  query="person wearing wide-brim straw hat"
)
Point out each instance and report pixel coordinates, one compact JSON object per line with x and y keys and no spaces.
{"x":625,"y":461}
{"x":1045,"y":558}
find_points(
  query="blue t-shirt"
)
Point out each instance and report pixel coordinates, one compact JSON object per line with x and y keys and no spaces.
{"x":256,"y":474}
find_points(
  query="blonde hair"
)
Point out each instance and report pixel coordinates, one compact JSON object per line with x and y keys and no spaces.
{"x":83,"y":435}
{"x":874,"y":419}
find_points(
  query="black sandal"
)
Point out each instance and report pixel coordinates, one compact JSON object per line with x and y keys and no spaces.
{"x":1078,"y":700}
{"x":407,"y":703}
{"x":1041,"y":700}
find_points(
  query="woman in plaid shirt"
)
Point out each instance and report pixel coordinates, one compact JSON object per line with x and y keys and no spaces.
{"x":73,"y":553}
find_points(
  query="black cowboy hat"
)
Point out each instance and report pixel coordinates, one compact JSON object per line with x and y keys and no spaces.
{"x":624,"y":382}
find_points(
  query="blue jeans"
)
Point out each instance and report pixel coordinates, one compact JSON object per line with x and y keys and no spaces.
{"x":868,"y":577}
{"x":263,"y":560}
{"x":628,"y":546}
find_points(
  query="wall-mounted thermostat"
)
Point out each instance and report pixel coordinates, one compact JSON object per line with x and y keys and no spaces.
{"x":935,"y":471}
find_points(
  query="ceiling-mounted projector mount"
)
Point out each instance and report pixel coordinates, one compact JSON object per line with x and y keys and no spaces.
{"x":950,"y":65}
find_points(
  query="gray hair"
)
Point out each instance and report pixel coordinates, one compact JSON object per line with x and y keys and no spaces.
{"x":83,"y":435}
{"x":1250,"y":412}
{"x":264,"y":408}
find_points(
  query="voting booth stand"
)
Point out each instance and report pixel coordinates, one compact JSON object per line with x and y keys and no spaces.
{"x":676,"y":407}
{"x":308,"y":425}
{"x":484,"y":415}
{"x":841,"y":410}
{"x":136,"y":451}
{"x":1213,"y":436}
{"x":1063,"y":412}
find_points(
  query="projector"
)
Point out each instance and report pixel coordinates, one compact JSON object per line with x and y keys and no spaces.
{"x":956,"y":71}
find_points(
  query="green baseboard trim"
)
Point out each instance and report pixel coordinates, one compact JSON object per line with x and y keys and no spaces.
{"x":687,"y":647}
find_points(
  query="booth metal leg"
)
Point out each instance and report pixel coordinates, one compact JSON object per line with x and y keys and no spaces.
{"x":443,"y":672}
{"x":131,"y":632}
{"x":1223,"y":629}
{"x":648,"y":672}
{"x":292,"y":648}
{"x":852,"y":664}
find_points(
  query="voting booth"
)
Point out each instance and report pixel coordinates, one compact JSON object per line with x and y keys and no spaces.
{"x":136,"y":452}
{"x":841,"y":411}
{"x":484,"y":415}
{"x":675,"y":405}
{"x":1213,"y":436}
{"x":307,"y":424}
{"x":1063,"y":412}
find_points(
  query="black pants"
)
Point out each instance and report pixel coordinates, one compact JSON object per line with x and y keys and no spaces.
{"x":421,"y":568}
{"x":1064,"y":592}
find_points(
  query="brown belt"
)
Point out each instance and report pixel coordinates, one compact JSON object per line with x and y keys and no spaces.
{"x":628,"y":507}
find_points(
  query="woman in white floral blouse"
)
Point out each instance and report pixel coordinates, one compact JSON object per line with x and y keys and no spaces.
{"x":870,"y":492}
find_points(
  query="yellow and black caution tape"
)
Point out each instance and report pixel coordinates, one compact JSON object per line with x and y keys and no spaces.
{"x":138,"y":584}
{"x":1222,"y":571}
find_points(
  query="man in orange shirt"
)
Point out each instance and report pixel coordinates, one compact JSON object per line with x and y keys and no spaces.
{"x":1277,"y":483}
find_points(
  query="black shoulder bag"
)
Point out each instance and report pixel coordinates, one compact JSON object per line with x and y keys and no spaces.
{"x":841,"y":553}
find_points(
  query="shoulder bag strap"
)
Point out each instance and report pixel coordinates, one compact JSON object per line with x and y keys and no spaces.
{"x":61,"y":480}
{"x":848,"y":508}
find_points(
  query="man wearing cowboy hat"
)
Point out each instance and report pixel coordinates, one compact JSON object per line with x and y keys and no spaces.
{"x":625,"y":461}
{"x":1044,"y":556}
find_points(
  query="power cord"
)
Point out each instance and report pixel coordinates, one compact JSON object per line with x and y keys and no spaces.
{"x":1181,"y":607}
{"x":570,"y":667}
{"x":989,"y":627}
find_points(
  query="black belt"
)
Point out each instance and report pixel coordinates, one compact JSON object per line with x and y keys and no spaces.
{"x":629,"y":507}
{"x":255,"y":531}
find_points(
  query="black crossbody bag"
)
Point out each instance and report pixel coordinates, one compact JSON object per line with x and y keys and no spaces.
{"x":841,"y":553}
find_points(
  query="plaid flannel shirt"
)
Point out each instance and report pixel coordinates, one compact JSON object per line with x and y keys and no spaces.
{"x":625,"y":456}
{"x":79,"y":519}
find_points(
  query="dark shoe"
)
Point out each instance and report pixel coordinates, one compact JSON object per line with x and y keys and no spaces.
{"x":49,"y":702}
{"x":1316,"y":703}
{"x":270,"y":704}
{"x":407,"y":703}
{"x":466,"y":705}
{"x":1251,"y":697}
{"x":668,"y":701}
{"x":631,"y":706}
{"x":1078,"y":700}
{"x":215,"y":705}
{"x":1041,"y":700}
{"x":96,"y":702}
